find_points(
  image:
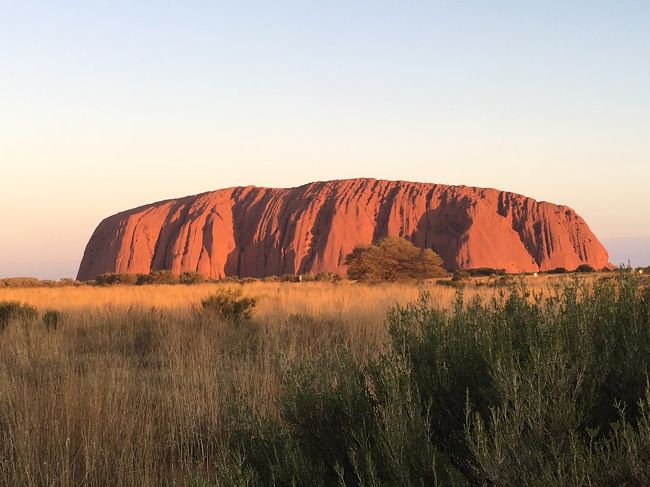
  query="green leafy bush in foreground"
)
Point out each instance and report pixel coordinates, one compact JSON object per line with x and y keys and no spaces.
{"x":516,"y":391}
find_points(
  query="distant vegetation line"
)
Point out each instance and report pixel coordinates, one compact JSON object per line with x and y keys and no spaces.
{"x":189,"y":278}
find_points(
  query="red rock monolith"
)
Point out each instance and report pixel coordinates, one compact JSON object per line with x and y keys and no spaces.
{"x":251,"y":231}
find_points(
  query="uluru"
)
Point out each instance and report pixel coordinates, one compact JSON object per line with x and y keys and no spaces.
{"x":257,"y":232}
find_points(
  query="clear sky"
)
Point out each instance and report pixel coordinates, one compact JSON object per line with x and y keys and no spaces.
{"x":106,"y":105}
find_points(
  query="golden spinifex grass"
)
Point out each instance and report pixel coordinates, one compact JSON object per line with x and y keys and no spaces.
{"x":308,"y":297}
{"x":130,"y":388}
{"x":133,"y":386}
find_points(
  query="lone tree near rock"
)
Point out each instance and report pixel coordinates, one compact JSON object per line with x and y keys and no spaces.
{"x":393,"y":259}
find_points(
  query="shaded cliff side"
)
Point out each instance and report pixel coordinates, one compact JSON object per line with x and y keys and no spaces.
{"x":251,"y":231}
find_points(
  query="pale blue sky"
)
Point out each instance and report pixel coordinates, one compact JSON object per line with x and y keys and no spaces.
{"x":106,"y":105}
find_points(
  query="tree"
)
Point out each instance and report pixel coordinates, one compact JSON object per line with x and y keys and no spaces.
{"x":393,"y":259}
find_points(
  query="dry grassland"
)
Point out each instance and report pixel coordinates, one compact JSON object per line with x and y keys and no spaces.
{"x":131,"y":388}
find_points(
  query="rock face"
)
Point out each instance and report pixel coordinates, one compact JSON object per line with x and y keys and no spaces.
{"x":250,"y":231}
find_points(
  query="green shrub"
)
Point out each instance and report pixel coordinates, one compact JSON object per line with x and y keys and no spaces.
{"x":516,"y":391}
{"x":558,"y":270}
{"x":399,"y":451}
{"x":486,"y":271}
{"x":229,"y":304}
{"x":262,"y":451}
{"x":15,"y":311}
{"x":249,"y":280}
{"x":51,"y":319}
{"x":271,"y":279}
{"x":328,"y":409}
{"x":168,"y":277}
{"x":191,"y":278}
{"x":229,"y":280}
{"x":21,"y":282}
{"x":585,"y":268}
{"x":448,"y":355}
{"x":164,"y":277}
{"x":327,"y":277}
{"x":143,"y":279}
{"x":289,"y":278}
{"x":34,"y":282}
{"x":541,"y":381}
{"x":460,"y":275}
{"x":111,"y":278}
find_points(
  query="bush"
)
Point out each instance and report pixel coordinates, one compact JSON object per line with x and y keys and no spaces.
{"x":558,"y":270}
{"x":144,"y":279}
{"x":327,"y":408}
{"x":585,"y":268}
{"x":249,"y":280}
{"x":164,"y":277}
{"x":229,"y":304}
{"x":327,"y":276}
{"x":500,"y":362}
{"x":289,"y":278}
{"x":512,"y":392}
{"x":486,"y":271}
{"x":22,"y":282}
{"x":260,"y":451}
{"x":15,"y":311}
{"x":34,"y":282}
{"x":229,"y":280}
{"x":191,"y":278}
{"x":51,"y":319}
{"x":461,"y":275}
{"x":111,"y":278}
{"x":168,"y":277}
{"x":393,"y":259}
